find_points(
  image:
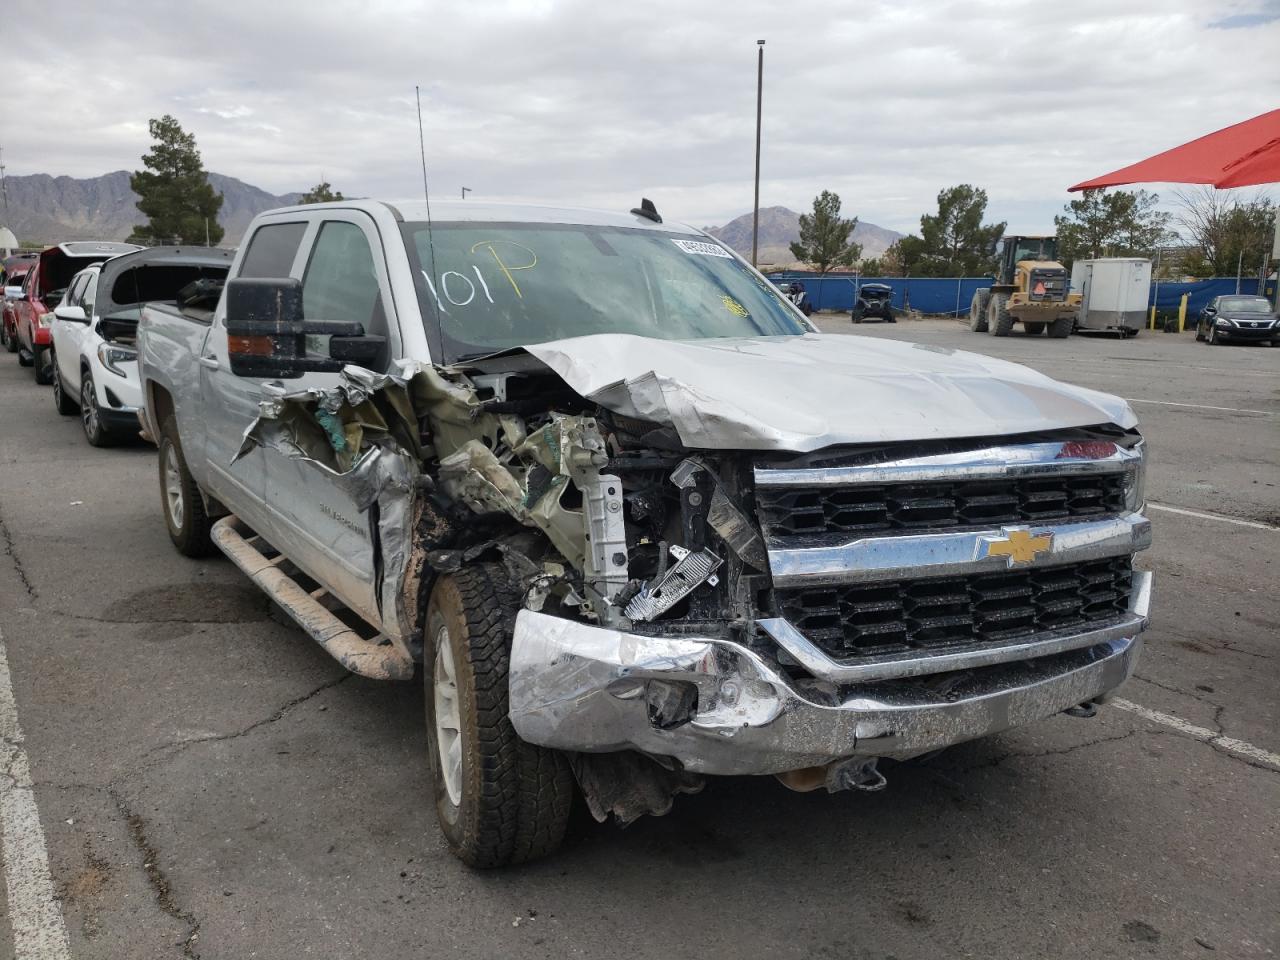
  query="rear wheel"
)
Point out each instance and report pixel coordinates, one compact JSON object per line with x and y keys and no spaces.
{"x":1034,"y":328}
{"x":499,"y":800}
{"x":41,"y":359}
{"x":1061,"y":327}
{"x":64,"y":404}
{"x":999,"y":321}
{"x":180,"y":499}
{"x":10,"y":340}
{"x":978,"y":310}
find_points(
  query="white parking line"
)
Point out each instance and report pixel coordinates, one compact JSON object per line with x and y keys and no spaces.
{"x":1230,"y":744}
{"x":1200,"y":406}
{"x":38,"y":930}
{"x":1211,"y":516}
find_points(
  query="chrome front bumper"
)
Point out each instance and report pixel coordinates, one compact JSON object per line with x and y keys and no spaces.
{"x":583,"y":688}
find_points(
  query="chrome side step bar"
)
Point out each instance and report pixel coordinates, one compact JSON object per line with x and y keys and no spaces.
{"x":368,"y":658}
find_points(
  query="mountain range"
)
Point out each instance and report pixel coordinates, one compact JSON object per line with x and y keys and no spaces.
{"x":44,"y":209}
{"x":780,"y":226}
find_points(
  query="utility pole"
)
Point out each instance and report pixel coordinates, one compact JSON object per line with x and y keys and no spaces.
{"x":465,"y":191}
{"x":755,"y":214}
{"x":4,"y":187}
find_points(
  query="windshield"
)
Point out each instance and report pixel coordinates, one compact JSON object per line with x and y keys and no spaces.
{"x":1244,"y":305}
{"x":491,"y":286}
{"x":1036,"y":248}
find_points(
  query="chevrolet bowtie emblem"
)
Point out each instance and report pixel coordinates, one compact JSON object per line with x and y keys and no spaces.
{"x":1017,"y":546}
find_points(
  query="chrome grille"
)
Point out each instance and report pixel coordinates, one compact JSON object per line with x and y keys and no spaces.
{"x":867,"y":508}
{"x":935,"y":615}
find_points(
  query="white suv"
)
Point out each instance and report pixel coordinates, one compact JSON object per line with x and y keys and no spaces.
{"x":95,"y":369}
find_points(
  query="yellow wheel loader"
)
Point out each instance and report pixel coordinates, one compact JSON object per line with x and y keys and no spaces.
{"x":1031,"y":287}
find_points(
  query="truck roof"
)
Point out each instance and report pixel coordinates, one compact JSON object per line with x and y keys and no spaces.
{"x":445,"y":211}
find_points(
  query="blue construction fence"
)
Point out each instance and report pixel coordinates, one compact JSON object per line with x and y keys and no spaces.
{"x":951,"y":296}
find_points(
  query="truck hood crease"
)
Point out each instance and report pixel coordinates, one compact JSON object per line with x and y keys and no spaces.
{"x":813,"y":391}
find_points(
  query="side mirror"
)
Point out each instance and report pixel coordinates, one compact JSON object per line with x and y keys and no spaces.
{"x":13,"y":293}
{"x":71,"y":314}
{"x":267,"y":335}
{"x":1210,"y":311}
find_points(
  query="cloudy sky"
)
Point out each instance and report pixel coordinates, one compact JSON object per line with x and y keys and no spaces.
{"x":595,"y":103}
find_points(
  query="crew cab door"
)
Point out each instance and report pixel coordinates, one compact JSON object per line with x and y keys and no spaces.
{"x":317,"y":520}
{"x":229,"y":403}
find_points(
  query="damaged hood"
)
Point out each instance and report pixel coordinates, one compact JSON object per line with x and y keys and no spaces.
{"x":807,"y":392}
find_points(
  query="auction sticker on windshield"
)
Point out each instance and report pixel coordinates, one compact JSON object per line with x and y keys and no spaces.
{"x":705,"y":249}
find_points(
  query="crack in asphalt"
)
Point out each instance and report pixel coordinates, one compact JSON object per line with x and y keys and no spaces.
{"x":192,"y":621}
{"x":156,"y":876}
{"x":177,"y":746}
{"x":996,"y":761}
{"x":6,"y":539}
{"x":1178,"y":690}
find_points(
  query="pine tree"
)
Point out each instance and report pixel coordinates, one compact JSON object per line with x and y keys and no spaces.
{"x":174,"y":191}
{"x":321,"y":193}
{"x":824,"y":237}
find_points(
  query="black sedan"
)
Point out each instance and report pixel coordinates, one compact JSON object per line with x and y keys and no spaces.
{"x":1238,"y":317}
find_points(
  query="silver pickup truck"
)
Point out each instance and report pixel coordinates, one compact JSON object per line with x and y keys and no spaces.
{"x":638,"y":521}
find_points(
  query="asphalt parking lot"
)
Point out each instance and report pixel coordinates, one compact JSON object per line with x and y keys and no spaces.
{"x":209,"y":783}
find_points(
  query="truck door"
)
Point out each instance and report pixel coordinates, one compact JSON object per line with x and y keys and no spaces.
{"x":68,"y":336}
{"x":230,"y":403}
{"x":320,"y":524}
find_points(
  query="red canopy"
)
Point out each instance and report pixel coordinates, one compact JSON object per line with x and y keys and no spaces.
{"x":1241,"y":155}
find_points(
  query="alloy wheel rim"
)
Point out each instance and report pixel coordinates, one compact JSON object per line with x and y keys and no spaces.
{"x":173,"y":486}
{"x":448,"y":715}
{"x":88,"y":408}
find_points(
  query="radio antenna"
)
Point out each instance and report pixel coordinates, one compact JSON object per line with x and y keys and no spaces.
{"x":426,"y":193}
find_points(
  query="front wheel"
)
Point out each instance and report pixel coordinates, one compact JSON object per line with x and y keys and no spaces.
{"x":1213,"y":340}
{"x":180,"y":499}
{"x":90,"y":415}
{"x":999,"y":320}
{"x":499,"y":800}
{"x":10,"y":340}
{"x":61,"y":402}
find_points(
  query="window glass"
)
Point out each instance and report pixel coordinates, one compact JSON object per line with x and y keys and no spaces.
{"x":340,"y":282}
{"x":272,"y":249}
{"x":497,"y":285}
{"x":1244,"y":305}
{"x":89,"y":295}
{"x":72,"y":298}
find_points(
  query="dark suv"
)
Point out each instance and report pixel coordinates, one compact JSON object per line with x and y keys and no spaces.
{"x":1238,"y":317}
{"x":874,"y":300}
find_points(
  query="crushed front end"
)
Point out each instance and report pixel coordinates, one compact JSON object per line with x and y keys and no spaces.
{"x":789,"y":612}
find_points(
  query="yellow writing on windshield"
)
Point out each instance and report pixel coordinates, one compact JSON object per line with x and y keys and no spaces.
{"x":734,"y":307}
{"x":508,"y":268}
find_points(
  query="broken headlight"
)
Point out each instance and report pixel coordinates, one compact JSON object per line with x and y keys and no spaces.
{"x":113,"y":354}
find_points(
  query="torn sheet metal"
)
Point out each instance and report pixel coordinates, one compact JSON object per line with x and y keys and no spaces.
{"x":803,"y":393}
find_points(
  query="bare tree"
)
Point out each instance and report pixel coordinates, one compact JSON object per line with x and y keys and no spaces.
{"x":1227,"y":230}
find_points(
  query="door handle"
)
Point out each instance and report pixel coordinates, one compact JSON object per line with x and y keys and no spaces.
{"x":209,"y":361}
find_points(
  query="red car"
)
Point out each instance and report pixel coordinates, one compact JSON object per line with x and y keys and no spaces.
{"x":14,"y":271}
{"x":28,"y":312}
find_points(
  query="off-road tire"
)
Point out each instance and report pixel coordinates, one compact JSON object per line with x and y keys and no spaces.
{"x":39,"y":360}
{"x":515,"y":797}
{"x":1061,"y":327}
{"x":978,"y":310}
{"x":95,"y":431}
{"x":191,"y":535}
{"x":61,"y":402}
{"x":1033,"y":328}
{"x":999,"y":320}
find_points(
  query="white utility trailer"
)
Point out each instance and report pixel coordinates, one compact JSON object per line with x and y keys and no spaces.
{"x":1114,"y":292}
